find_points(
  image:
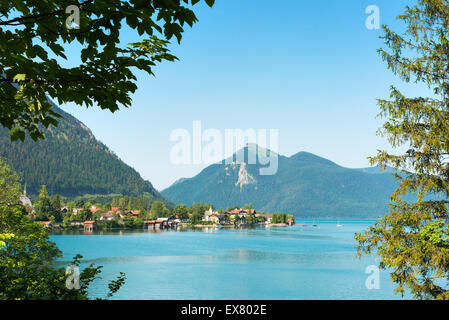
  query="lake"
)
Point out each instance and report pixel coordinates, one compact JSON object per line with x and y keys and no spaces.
{"x":299,"y":262}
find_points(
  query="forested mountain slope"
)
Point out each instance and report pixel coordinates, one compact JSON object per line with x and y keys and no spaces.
{"x":71,"y":162}
{"x":305,"y":185}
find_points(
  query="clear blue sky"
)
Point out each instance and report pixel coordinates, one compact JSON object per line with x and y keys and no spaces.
{"x":307,"y":68}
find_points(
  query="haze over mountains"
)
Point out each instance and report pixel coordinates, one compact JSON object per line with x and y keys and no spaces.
{"x":305,"y":185}
{"x":72,"y":162}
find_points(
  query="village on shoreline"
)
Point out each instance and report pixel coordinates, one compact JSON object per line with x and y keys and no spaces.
{"x":128,"y":212}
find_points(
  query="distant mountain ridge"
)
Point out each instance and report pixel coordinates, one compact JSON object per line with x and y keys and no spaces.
{"x":71,"y":162}
{"x":305,"y":185}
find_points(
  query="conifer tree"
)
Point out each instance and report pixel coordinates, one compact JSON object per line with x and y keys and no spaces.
{"x":413,"y":239}
{"x":44,"y":208}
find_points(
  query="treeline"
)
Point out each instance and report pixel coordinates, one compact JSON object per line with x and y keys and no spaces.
{"x":281,"y":218}
{"x":56,"y":208}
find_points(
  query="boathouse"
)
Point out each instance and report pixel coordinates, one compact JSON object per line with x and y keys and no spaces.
{"x":90,"y":226}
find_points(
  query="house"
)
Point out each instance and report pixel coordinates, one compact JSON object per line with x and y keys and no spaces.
{"x":108,"y":216}
{"x":215,"y":218}
{"x":235,"y":212}
{"x":211,"y":215}
{"x":65,"y":209}
{"x":90,"y":226}
{"x":117,"y":213}
{"x":241,"y":212}
{"x":248,"y":211}
{"x":132,"y":213}
{"x":75,"y":211}
{"x":266,"y":216}
{"x":94,"y":209}
{"x":135,"y":213}
{"x":46,"y":224}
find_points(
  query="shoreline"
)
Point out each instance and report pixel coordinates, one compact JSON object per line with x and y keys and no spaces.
{"x":55,"y":229}
{"x":182,"y":226}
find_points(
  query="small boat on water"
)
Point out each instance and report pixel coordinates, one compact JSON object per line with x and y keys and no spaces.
{"x":313,"y":223}
{"x":339,"y":225}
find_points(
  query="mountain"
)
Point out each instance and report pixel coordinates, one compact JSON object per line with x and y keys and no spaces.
{"x":305,"y":185}
{"x":71,"y":162}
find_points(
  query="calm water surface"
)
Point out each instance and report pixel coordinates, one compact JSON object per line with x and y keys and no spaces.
{"x":299,"y":262}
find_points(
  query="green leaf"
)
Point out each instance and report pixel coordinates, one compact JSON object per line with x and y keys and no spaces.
{"x":19,"y":77}
{"x":17,"y":134}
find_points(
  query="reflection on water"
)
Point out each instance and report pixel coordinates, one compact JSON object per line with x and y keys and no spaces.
{"x":230,"y":256}
{"x":298,"y":262}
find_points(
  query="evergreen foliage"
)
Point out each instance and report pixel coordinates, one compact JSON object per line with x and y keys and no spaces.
{"x":27,"y":256}
{"x":71,"y":162}
{"x":412,"y":240}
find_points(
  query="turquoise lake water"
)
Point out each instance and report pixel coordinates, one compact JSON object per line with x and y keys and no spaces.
{"x":299,"y":262}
